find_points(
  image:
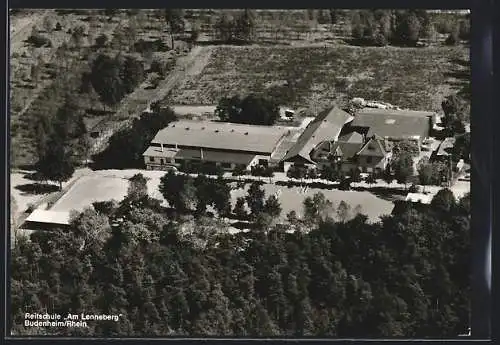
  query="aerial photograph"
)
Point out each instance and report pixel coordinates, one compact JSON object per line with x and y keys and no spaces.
{"x":289,"y":173}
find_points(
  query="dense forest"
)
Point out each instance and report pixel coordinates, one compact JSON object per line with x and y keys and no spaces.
{"x":176,"y":272}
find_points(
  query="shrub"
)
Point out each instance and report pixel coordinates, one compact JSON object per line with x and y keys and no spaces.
{"x":39,"y":41}
{"x":452,"y":39}
{"x":31,"y":207}
{"x":413,"y":189}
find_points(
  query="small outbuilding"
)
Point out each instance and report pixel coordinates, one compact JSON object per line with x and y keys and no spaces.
{"x":47,"y":220}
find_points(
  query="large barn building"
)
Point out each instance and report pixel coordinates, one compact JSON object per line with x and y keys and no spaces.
{"x":362,"y":141}
{"x":227,"y":145}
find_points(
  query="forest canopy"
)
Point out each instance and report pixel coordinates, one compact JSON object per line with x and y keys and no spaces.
{"x":181,"y":273}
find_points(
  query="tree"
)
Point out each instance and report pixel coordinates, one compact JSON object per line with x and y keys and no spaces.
{"x":355,"y":175}
{"x":253,"y":109}
{"x":358,"y":29}
{"x":334,"y":15}
{"x":408,"y":28}
{"x":170,"y":187}
{"x":132,"y":73}
{"x":343,"y":212}
{"x":296,"y":171}
{"x":225,"y":28}
{"x":106,"y":81}
{"x":195,"y":32}
{"x":461,"y":149}
{"x":403,"y":168}
{"x":425,"y":174}
{"x":406,"y":146}
{"x":43,"y":132}
{"x":68,"y":123}
{"x":452,"y":38}
{"x":91,"y":227}
{"x":221,"y":196}
{"x":464,"y":30}
{"x":451,"y":105}
{"x":371,"y":179}
{"x":187,"y":197}
{"x":137,"y":188}
{"x":273,"y":207}
{"x":101,"y":41}
{"x":56,"y":165}
{"x":245,"y":26}
{"x":77,"y":36}
{"x":311,"y":173}
{"x":175,"y":22}
{"x":357,"y":210}
{"x":317,"y":208}
{"x":255,"y":198}
{"x":444,"y":201}
{"x":239,"y":208}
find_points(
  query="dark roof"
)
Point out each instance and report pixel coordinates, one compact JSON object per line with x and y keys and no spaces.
{"x":347,"y":150}
{"x":351,"y":137}
{"x":374,"y":147}
{"x":392,"y":125}
{"x":326,"y":126}
{"x":395,"y":112}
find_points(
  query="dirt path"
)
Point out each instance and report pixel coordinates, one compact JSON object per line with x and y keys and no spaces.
{"x":20,"y":30}
{"x":140,"y":100}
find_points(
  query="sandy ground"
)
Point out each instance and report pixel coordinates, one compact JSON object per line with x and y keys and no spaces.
{"x":99,"y":187}
{"x":88,"y":186}
{"x":193,"y":109}
{"x":112,"y":184}
{"x":292,"y":199}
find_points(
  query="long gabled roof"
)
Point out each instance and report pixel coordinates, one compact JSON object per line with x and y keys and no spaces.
{"x":221,"y":135}
{"x":326,"y":126}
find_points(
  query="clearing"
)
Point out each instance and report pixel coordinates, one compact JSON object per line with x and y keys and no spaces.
{"x":314,"y":77}
{"x":105,"y":185}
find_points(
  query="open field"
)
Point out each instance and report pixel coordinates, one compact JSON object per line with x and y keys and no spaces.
{"x":291,"y":199}
{"x":415,"y":78}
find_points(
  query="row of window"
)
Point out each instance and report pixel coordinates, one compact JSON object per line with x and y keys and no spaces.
{"x":179,"y":161}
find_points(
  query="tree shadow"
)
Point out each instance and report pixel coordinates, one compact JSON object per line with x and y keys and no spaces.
{"x":389,"y":194}
{"x":34,"y":176}
{"x":98,"y":112}
{"x":37,"y":188}
{"x":26,"y":86}
{"x":26,"y":166}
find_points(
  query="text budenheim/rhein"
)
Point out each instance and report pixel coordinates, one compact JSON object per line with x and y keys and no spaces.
{"x":55,"y":320}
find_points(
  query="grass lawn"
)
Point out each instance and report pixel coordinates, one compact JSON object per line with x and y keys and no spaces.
{"x":314,"y":77}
